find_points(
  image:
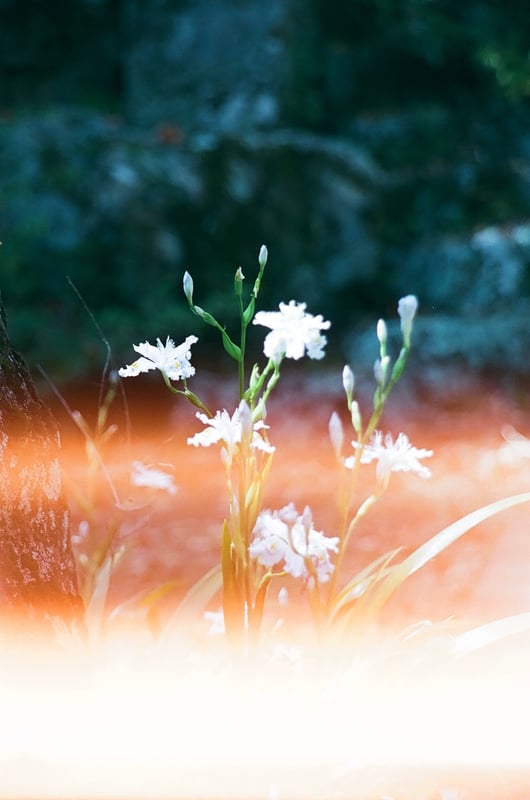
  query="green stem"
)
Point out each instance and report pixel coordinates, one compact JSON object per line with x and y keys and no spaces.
{"x":189,"y":395}
{"x":242,"y":345}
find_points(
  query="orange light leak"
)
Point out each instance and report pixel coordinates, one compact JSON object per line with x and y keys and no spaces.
{"x":134,"y":715}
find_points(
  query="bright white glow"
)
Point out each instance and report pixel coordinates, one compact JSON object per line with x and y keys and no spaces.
{"x":142,"y":721}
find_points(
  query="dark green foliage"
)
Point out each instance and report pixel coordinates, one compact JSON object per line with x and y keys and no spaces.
{"x":60,"y":52}
{"x":369,"y":132}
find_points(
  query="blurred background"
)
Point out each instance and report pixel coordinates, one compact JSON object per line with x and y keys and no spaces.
{"x":378,"y":148}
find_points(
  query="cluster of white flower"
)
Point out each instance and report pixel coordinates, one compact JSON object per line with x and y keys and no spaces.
{"x":152,"y":478}
{"x":230,"y":430}
{"x":293,"y":331}
{"x":172,"y":361}
{"x":285,"y":536}
{"x":398,"y":456}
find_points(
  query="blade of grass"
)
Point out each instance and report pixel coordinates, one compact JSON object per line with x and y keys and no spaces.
{"x":358,"y":585}
{"x":196,"y":598}
{"x":434,"y":546}
{"x":491,"y":632}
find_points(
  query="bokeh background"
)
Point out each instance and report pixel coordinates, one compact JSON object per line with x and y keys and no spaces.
{"x":378,"y":147}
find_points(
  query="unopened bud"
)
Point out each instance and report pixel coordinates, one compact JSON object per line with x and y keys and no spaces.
{"x":187,"y":285}
{"x":245,"y":418}
{"x":263,"y":256}
{"x":254,"y":377}
{"x":407,"y":307}
{"x":356,"y":417}
{"x":382,"y":332}
{"x":288,"y":515}
{"x":348,"y":381}
{"x":336,"y":434}
{"x":307,"y":520}
{"x":238,"y":282}
{"x":381,"y":369}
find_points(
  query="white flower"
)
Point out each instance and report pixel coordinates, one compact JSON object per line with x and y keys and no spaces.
{"x":398,"y":456}
{"x":152,"y":478}
{"x":407,"y":307}
{"x":292,"y":332}
{"x":173,"y":361}
{"x":217,"y":622}
{"x":284,"y":536}
{"x":229,"y":429}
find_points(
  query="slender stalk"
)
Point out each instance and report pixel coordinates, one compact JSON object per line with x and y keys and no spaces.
{"x":241,"y":362}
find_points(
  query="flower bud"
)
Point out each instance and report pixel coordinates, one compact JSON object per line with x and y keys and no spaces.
{"x":245,"y":418}
{"x":407,"y":307}
{"x":263,"y":256}
{"x":288,"y":515}
{"x":348,"y":381}
{"x":382,"y":332}
{"x":260,"y":412}
{"x":187,"y":285}
{"x":356,"y":417}
{"x":254,"y":377}
{"x":380,"y":370}
{"x":307,"y":520}
{"x":336,"y":434}
{"x":238,"y":282}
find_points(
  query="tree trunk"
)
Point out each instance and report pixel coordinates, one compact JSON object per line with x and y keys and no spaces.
{"x":37,"y":568}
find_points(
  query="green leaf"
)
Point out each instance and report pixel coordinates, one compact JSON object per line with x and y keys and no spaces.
{"x":196,"y":598}
{"x":259,"y":603}
{"x":143,"y":605}
{"x":430,"y":549}
{"x":96,"y":605}
{"x":206,"y":317}
{"x":232,"y":349}
{"x":361,"y":582}
{"x":233,"y":603}
{"x":248,"y":313}
{"x":399,"y":366}
{"x":490,"y":633}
